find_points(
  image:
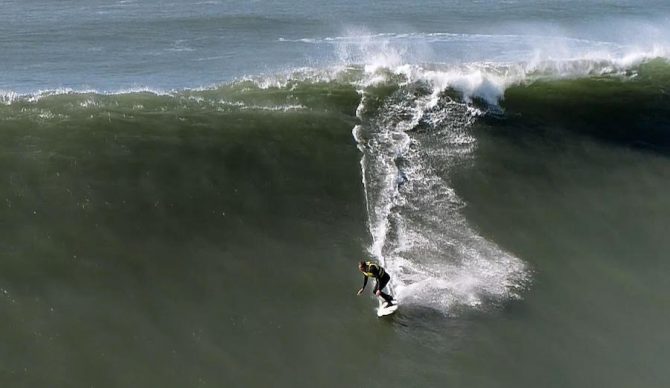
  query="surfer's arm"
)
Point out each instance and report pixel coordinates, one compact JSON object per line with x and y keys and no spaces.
{"x":365,"y":282}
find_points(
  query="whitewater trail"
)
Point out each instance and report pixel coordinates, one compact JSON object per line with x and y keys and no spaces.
{"x":418,"y":233}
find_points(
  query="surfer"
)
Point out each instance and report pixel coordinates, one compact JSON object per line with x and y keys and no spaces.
{"x":372,"y":270}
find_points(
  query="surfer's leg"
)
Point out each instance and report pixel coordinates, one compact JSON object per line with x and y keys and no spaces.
{"x":379,"y":286}
{"x":388,"y":298}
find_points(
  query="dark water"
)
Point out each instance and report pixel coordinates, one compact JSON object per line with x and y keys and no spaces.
{"x":186,"y":188}
{"x":134,"y":244}
{"x":590,"y":216}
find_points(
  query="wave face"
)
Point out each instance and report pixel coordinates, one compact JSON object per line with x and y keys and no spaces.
{"x":413,"y":124}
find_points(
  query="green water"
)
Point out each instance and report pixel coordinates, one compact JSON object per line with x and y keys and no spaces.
{"x":210,"y":237}
{"x":143,"y":256}
{"x":591,"y":219}
{"x":214,"y":255}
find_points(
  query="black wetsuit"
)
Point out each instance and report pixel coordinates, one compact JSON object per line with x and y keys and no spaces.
{"x":382,"y":278}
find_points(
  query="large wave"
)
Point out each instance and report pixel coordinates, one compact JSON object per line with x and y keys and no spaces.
{"x":412,"y":124}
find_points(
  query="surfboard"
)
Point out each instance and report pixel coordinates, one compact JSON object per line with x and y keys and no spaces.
{"x":382,"y":311}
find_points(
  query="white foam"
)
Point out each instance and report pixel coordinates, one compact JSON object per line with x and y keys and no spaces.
{"x":413,"y":57}
{"x":9,"y":97}
{"x":417,"y":231}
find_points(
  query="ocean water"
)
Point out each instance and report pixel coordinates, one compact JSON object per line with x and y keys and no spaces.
{"x":186,"y":188}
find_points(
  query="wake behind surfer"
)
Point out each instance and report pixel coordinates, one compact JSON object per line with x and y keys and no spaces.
{"x":372,"y":270}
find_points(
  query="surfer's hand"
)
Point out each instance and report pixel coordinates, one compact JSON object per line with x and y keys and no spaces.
{"x":360,"y":291}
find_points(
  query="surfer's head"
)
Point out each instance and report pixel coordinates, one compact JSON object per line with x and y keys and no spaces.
{"x":362,"y":265}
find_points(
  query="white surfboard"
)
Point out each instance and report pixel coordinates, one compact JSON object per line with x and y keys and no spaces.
{"x":382,"y":311}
